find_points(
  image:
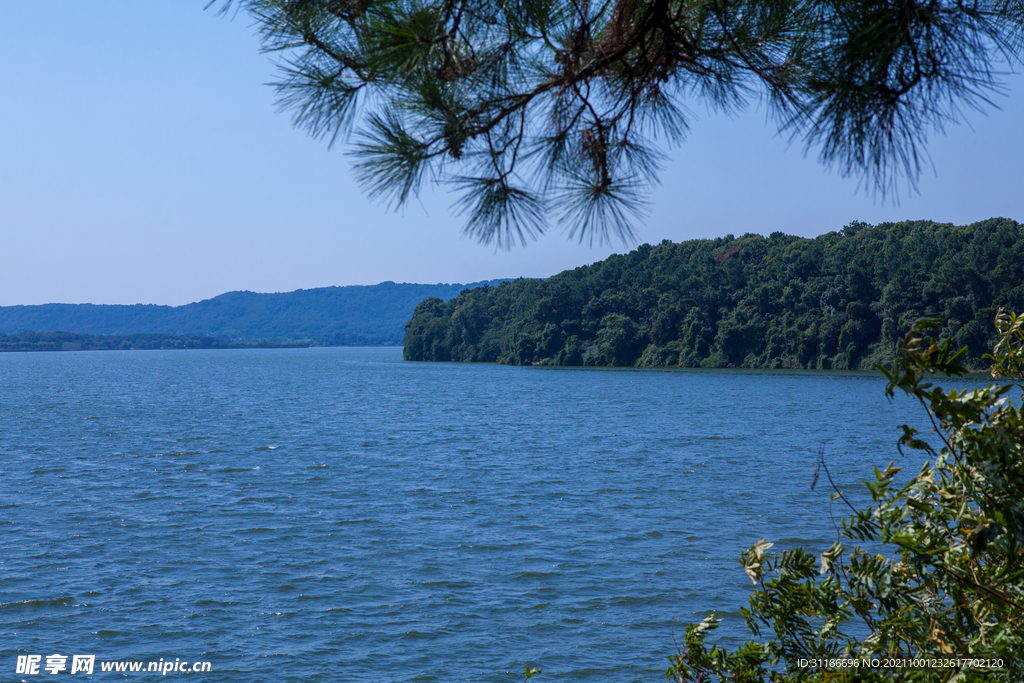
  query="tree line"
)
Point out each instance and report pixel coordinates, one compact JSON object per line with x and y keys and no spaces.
{"x":70,"y":341}
{"x":842,"y":300}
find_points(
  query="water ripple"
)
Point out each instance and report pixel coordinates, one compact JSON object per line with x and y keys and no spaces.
{"x":328,"y":514}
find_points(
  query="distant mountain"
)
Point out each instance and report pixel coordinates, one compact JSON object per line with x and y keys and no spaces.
{"x":356,"y":315}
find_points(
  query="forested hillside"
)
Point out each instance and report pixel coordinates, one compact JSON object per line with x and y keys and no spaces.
{"x":329,"y":316}
{"x":840,"y":301}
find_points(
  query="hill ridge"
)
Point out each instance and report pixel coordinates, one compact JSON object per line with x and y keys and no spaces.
{"x":842,"y":300}
{"x":335,"y":315}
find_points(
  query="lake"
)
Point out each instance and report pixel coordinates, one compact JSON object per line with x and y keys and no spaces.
{"x":337,"y":514}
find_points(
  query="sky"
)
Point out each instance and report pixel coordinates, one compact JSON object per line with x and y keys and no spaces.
{"x":144,"y":161}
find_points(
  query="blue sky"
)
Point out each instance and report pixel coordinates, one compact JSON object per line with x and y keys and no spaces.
{"x":144,"y":161}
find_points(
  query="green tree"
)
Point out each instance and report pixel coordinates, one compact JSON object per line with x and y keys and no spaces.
{"x":952,"y":588}
{"x":531,"y":108}
{"x":840,"y":301}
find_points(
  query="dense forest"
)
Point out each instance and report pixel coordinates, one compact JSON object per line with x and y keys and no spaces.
{"x":843,"y":300}
{"x":70,"y":341}
{"x":328,"y":316}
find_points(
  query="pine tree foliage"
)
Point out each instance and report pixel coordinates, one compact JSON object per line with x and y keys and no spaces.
{"x":537,"y":108}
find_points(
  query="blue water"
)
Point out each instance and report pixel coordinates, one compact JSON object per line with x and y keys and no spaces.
{"x":339,"y":514}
